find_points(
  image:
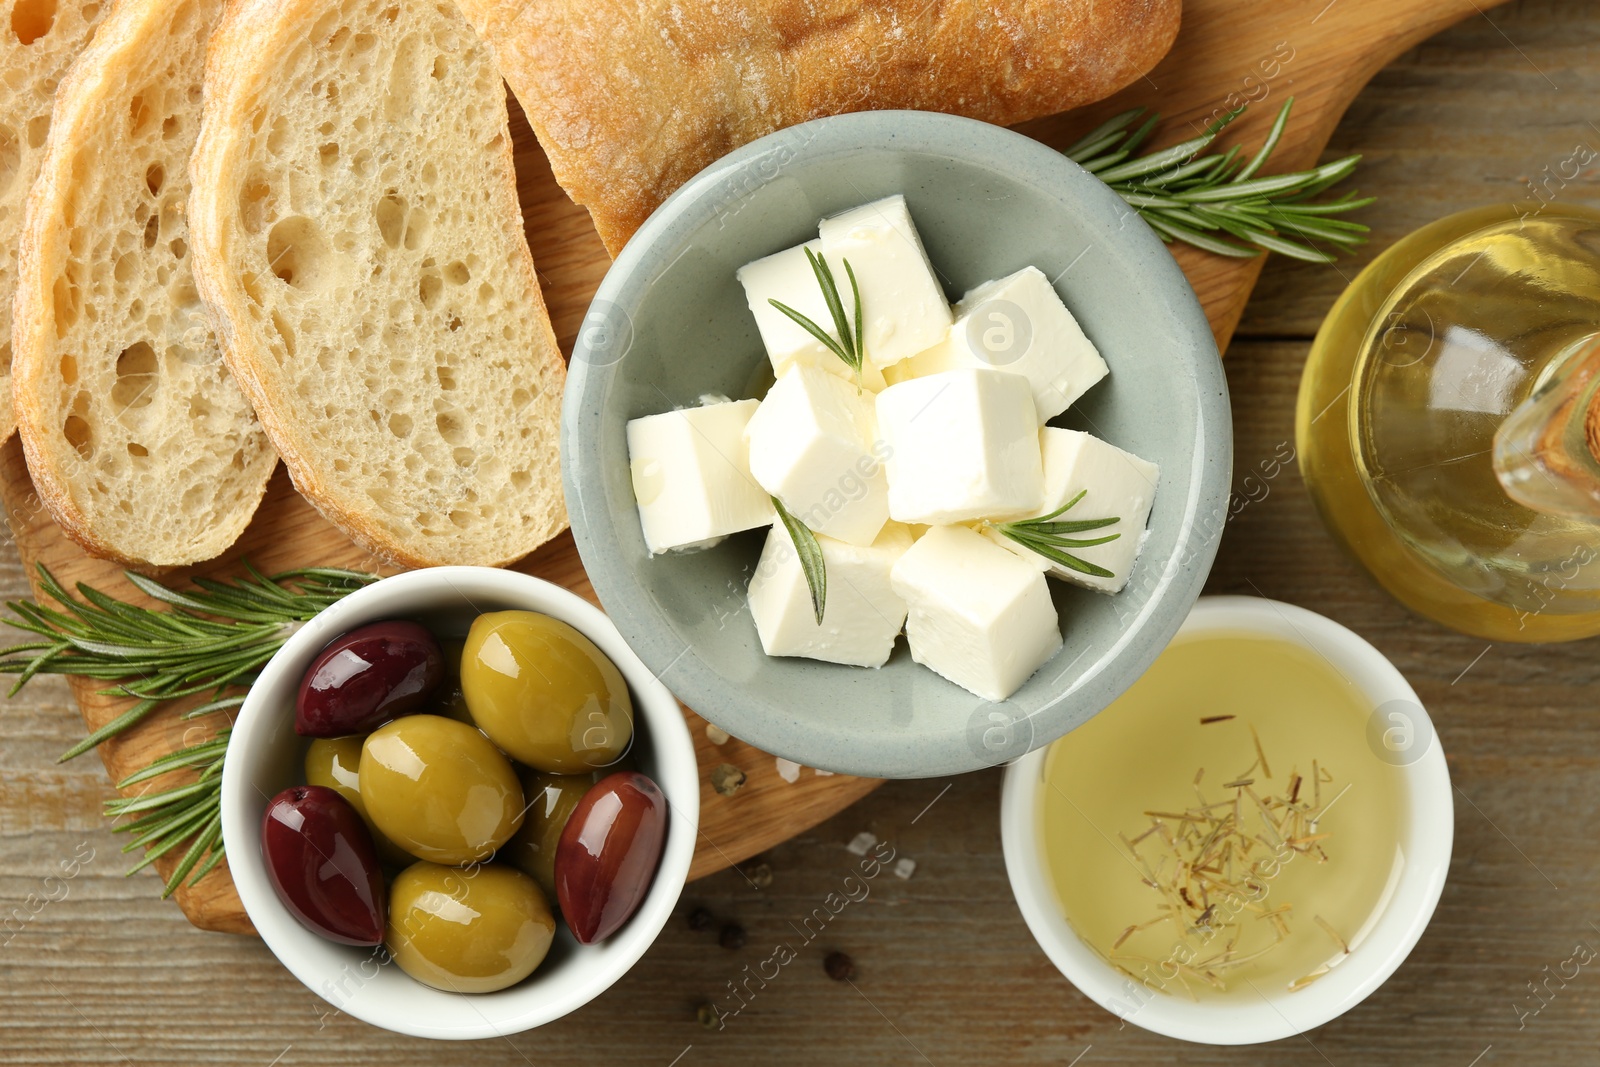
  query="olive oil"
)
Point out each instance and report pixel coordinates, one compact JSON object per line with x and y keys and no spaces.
{"x":1435,"y":347}
{"x":1214,"y":711}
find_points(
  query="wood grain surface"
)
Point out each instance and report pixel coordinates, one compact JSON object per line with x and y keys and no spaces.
{"x":95,"y":969}
{"x":1329,"y":54}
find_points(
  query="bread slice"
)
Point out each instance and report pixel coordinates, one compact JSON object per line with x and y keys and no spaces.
{"x":138,"y":440}
{"x":631,"y":98}
{"x":359,"y":242}
{"x":38,"y":41}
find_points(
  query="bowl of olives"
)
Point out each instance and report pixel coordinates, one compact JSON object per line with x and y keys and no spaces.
{"x":457,"y":805}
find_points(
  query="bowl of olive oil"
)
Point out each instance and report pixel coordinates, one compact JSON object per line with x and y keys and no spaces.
{"x":1246,"y":843}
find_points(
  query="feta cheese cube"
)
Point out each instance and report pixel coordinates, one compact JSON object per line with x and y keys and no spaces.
{"x":1019,"y":324}
{"x":978,"y":615}
{"x":962,"y":445}
{"x":1114,"y":483}
{"x":904,"y":307}
{"x":787,"y":277}
{"x":862,"y":614}
{"x":814,"y":446}
{"x":691,"y":476}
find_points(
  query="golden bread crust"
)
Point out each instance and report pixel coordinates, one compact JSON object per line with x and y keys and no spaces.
{"x":631,"y":98}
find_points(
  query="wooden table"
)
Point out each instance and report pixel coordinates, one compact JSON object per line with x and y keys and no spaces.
{"x":107,"y":973}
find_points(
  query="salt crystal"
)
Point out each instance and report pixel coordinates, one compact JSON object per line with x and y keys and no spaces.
{"x":820,"y":773}
{"x":861,"y":842}
{"x":716,"y":735}
{"x":904,"y":867}
{"x":788,"y":769}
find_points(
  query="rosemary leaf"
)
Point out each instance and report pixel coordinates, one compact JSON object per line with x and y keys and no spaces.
{"x":810,"y":553}
{"x":861,"y":330}
{"x":1162,"y":160}
{"x":1267,"y":146}
{"x":208,"y":840}
{"x":1094,"y":166}
{"x":830,"y":295}
{"x":1347,"y":202}
{"x":1170,"y":231}
{"x":206,"y":867}
{"x":215,"y":705}
{"x":1076,"y":526}
{"x":813,"y":329}
{"x":1096,"y":141}
{"x":130,"y":718}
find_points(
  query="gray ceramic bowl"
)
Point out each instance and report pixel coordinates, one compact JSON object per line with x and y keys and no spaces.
{"x":670,"y":323}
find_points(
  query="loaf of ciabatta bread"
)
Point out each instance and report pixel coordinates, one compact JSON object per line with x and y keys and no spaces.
{"x":631,"y":98}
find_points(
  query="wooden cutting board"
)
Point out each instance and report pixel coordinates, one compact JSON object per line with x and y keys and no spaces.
{"x":1229,"y":52}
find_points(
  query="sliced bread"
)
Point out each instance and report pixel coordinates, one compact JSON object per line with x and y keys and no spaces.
{"x":38,"y":41}
{"x":360,"y":245}
{"x":138,"y":440}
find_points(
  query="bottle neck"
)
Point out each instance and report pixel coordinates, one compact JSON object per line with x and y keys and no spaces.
{"x":1547,"y":452}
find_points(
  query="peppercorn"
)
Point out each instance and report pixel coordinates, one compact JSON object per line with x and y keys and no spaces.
{"x":699,"y":919}
{"x":732,"y":936}
{"x":840,"y":967}
{"x":706,"y":1015}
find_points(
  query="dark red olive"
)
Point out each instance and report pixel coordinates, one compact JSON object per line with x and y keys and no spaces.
{"x":608,"y":854}
{"x":367,"y":677}
{"x":321,"y":859}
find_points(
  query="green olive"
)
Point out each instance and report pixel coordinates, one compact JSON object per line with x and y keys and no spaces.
{"x":551,"y":800}
{"x":470,"y":930}
{"x":544,"y":693}
{"x":336,"y":763}
{"x":439,"y":789}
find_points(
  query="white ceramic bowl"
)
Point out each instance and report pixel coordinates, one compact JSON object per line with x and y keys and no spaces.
{"x":265,"y":756}
{"x":1425,"y":838}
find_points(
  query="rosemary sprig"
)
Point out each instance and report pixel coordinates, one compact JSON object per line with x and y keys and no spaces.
{"x":213,"y":638}
{"x":166,"y":819}
{"x":1050,"y":537}
{"x":1206,"y":200}
{"x":851,"y":344}
{"x":810,"y":553}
